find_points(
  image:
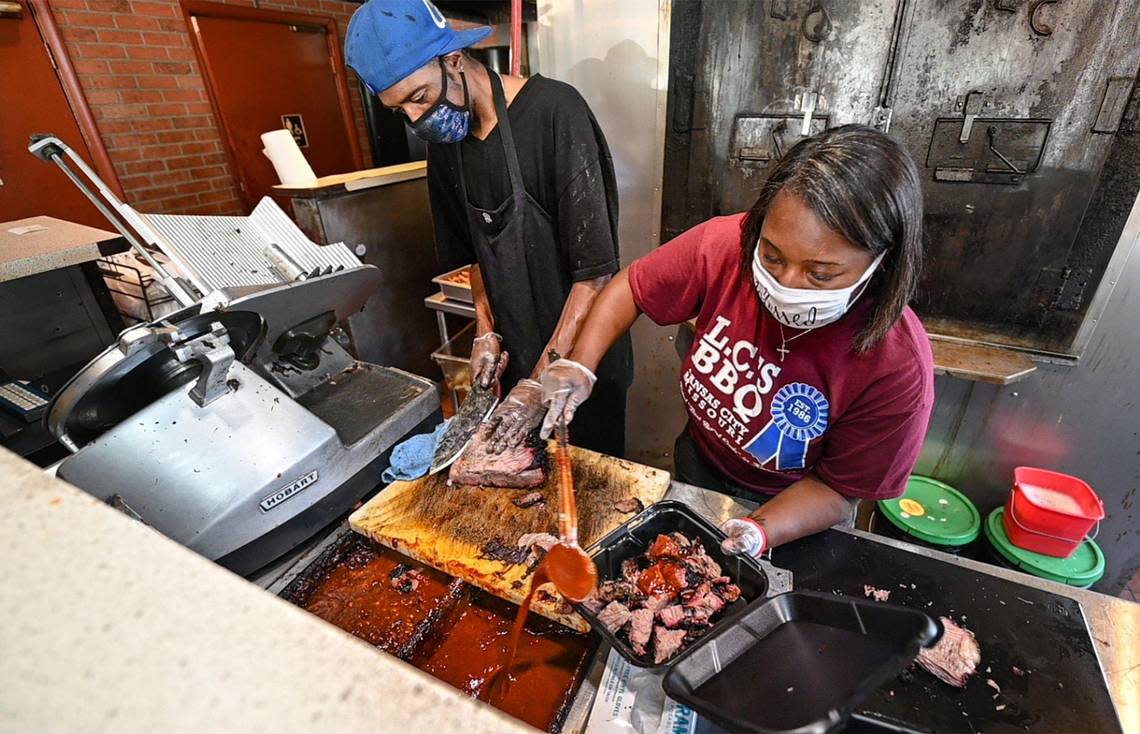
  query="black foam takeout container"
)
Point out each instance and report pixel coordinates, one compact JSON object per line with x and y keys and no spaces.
{"x":633,"y":538}
{"x":798,"y":662}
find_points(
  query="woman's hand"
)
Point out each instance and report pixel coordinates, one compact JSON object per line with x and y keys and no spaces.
{"x":565,"y":385}
{"x":745,"y":536}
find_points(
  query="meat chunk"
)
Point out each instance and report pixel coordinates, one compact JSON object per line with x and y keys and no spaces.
{"x":614,"y":616}
{"x":666,"y":643}
{"x":658,"y":602}
{"x":521,"y":467}
{"x":545,"y":541}
{"x":405,"y":579}
{"x":695,"y":598}
{"x":629,"y":505}
{"x":610,"y":590}
{"x":530,"y":499}
{"x":726,"y":590}
{"x":672,"y":616}
{"x":640,"y":629}
{"x":496,"y":550}
{"x":662,"y":578}
{"x":664,"y":547}
{"x":703,"y":565}
{"x":630,"y":570}
{"x":956,"y":656}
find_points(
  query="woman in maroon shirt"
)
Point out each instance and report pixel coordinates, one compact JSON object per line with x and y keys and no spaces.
{"x":810,"y":382}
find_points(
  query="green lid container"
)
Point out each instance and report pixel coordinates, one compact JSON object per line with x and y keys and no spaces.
{"x":934,"y":513}
{"x":1084,"y":568}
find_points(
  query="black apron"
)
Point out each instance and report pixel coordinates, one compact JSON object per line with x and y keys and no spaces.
{"x":507,"y":240}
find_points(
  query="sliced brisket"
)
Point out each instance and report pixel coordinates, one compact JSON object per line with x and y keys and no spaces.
{"x":521,"y":467}
{"x":530,"y":499}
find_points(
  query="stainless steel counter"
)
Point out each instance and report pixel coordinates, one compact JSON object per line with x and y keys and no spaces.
{"x":1114,"y":624}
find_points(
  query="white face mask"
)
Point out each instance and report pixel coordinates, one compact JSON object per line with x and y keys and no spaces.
{"x":806,"y":308}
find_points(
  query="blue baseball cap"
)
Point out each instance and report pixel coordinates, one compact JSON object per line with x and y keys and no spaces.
{"x":389,"y":39}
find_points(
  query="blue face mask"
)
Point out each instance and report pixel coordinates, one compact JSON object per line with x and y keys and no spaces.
{"x":445,"y":122}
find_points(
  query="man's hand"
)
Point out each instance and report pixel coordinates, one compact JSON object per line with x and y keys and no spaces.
{"x":745,"y":536}
{"x":517,"y":416}
{"x":565,"y":385}
{"x":487,"y":359}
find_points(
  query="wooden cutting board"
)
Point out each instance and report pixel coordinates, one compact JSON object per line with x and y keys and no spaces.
{"x":445,"y":527}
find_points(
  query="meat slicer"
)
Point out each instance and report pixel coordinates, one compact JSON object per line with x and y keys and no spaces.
{"x":238,"y":425}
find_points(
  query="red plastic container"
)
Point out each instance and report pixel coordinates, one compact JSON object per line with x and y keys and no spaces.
{"x":1049,"y":512}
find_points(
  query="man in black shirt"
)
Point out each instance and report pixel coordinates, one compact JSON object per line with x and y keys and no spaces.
{"x":522,"y":183}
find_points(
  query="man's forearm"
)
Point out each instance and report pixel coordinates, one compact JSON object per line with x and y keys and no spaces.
{"x":806,"y":507}
{"x":612,"y":315}
{"x":574,"y":313}
{"x":484,"y":317}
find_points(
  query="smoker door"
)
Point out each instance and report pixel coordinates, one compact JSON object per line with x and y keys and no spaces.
{"x":1010,"y":107}
{"x":747,"y":79}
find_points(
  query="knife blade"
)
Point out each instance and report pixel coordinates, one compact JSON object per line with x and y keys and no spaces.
{"x":476,"y":408}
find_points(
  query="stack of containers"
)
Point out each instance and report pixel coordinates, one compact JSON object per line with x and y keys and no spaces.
{"x":1043,"y":529}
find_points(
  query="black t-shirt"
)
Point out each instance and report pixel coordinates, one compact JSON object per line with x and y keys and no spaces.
{"x":566,"y":169}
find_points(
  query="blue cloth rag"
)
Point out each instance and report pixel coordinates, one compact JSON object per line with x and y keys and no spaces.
{"x":412,"y":458}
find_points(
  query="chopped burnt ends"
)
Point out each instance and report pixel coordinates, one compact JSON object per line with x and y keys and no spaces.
{"x":666,"y":599}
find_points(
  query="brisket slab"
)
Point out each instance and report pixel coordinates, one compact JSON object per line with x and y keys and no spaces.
{"x":956,"y":656}
{"x":521,"y":467}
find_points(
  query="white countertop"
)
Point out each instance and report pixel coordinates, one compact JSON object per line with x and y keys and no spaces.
{"x":39,"y":244}
{"x":109,"y":626}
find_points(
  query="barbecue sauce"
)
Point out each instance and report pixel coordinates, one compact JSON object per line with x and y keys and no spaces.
{"x":575,"y":576}
{"x":449,"y":630}
{"x":663,"y":577}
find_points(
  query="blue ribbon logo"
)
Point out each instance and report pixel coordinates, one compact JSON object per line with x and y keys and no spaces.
{"x":799,"y":415}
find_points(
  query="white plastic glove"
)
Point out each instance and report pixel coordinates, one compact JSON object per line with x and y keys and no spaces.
{"x":745,"y":536}
{"x":485,"y":352}
{"x":565,"y":385}
{"x":518,"y":415}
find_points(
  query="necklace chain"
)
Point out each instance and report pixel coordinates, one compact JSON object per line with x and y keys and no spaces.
{"x":784,"y":341}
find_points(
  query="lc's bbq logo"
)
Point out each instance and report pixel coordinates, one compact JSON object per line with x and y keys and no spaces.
{"x":727,"y":382}
{"x":726,"y":387}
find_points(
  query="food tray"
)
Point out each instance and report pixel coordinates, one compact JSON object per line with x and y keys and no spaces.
{"x":799,"y":662}
{"x":633,"y":538}
{"x":458,"y":289}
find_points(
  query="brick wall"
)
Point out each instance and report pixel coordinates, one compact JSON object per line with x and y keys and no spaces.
{"x":137,"y":67}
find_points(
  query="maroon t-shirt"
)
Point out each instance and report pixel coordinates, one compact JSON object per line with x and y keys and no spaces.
{"x":856,"y":420}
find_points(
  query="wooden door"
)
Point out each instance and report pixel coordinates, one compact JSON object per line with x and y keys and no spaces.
{"x":266,"y":70}
{"x":33,"y":100}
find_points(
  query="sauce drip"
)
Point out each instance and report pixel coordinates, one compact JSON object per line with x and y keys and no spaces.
{"x":575,"y":576}
{"x":565,"y":565}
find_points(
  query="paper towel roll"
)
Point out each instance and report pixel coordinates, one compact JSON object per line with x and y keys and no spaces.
{"x":287,"y":159}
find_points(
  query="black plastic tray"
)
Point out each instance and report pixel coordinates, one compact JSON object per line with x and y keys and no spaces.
{"x":799,"y":662}
{"x":633,"y":539}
